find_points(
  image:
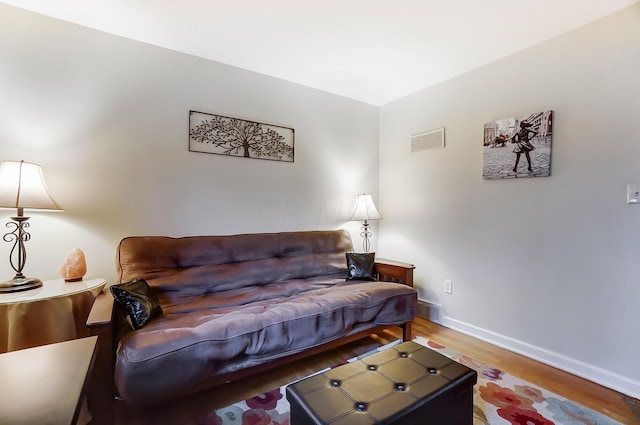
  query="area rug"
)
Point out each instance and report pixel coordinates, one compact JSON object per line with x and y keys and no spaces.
{"x":498,"y":399}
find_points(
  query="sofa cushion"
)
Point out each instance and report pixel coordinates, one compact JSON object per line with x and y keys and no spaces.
{"x":191,"y":347}
{"x":199,"y":265}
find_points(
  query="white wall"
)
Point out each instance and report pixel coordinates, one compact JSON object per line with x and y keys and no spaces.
{"x":107,"y":118}
{"x":545,"y":266}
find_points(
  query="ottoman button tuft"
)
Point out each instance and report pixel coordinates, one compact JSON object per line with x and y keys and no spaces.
{"x":361,"y":407}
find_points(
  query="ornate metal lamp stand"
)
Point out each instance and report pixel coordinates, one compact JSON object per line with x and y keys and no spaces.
{"x":366,"y":234}
{"x":18,"y":255}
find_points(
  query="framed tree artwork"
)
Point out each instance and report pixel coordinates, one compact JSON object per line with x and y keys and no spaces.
{"x":518,"y":147}
{"x":222,"y":135}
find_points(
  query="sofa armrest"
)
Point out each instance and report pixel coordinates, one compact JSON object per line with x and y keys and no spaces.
{"x":394,"y":271}
{"x":101,"y":311}
{"x":100,"y":394}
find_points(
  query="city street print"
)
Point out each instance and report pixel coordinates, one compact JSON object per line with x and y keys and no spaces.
{"x":518,"y":147}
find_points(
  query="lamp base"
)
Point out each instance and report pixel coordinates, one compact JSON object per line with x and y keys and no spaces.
{"x":20,"y":284}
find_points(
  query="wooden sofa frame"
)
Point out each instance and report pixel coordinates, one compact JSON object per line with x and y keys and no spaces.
{"x":101,"y":392}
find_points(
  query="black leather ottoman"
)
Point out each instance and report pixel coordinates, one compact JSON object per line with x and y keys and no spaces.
{"x":408,"y":384}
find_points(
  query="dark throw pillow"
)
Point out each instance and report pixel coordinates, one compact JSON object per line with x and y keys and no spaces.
{"x":361,"y":266}
{"x":139,"y":301}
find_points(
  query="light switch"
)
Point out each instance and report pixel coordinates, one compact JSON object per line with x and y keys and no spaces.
{"x":633,"y":194}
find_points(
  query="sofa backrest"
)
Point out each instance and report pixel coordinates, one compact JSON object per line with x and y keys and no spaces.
{"x":199,"y":265}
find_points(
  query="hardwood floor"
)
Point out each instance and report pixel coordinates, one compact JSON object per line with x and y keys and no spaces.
{"x":611,"y":403}
{"x":618,"y":406}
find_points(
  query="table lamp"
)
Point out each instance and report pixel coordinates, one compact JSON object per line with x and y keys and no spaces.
{"x":365,"y":210}
{"x":22,"y":187}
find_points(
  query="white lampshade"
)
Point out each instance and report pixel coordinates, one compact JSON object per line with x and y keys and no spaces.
{"x":365,"y":209}
{"x":22,"y":185}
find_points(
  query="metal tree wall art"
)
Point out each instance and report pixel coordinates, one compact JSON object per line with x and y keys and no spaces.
{"x":235,"y":137}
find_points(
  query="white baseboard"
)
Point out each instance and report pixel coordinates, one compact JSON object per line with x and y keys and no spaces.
{"x":576,"y":367}
{"x":430,"y":310}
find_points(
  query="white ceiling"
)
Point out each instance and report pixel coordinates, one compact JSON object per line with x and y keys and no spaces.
{"x":374,"y":51}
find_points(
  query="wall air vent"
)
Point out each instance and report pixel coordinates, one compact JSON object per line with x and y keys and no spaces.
{"x":428,"y":140}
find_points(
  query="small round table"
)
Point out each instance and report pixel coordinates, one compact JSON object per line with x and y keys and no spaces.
{"x":55,"y":312}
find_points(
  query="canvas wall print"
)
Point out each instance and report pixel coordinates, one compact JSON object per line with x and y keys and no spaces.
{"x":518,"y":147}
{"x":222,"y":135}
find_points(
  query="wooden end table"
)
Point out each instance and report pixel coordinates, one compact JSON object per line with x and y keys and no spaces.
{"x":394,"y":271}
{"x":46,"y":384}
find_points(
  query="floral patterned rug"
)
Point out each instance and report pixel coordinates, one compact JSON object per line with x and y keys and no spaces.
{"x":499,"y":399}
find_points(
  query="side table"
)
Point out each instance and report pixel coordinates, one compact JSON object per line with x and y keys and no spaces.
{"x":55,"y":312}
{"x":394,"y":271}
{"x":45,"y":385}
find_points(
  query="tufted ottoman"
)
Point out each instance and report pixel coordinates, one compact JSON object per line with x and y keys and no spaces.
{"x":408,"y":384}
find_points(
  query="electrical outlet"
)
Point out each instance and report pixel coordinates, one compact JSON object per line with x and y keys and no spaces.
{"x":448,"y":287}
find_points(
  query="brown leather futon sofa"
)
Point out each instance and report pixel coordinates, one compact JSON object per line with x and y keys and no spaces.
{"x":233,"y":306}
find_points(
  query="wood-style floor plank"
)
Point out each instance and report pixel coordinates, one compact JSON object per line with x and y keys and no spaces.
{"x":618,"y":406}
{"x":611,"y":403}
